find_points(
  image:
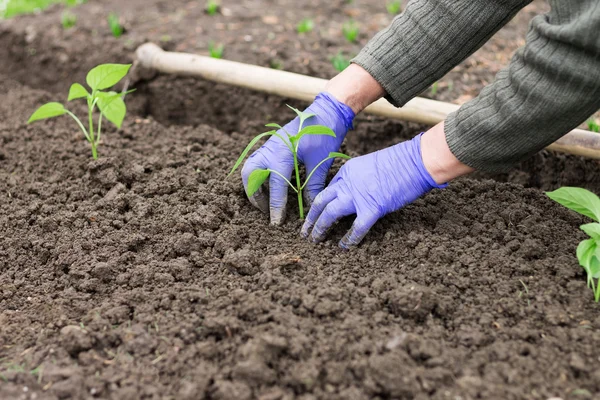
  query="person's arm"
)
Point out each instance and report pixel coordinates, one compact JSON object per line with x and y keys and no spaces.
{"x":428,"y":39}
{"x":550,"y":87}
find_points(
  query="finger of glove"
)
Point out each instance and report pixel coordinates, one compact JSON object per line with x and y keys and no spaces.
{"x":361,"y":226}
{"x":332,"y":213}
{"x":278,"y":193}
{"x":317,"y":207}
{"x":259,"y":199}
{"x":316,"y":183}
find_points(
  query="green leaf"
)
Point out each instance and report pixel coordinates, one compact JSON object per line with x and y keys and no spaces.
{"x":77,"y":91}
{"x":48,"y":110}
{"x":112,"y":106}
{"x":256,"y":179}
{"x":577,"y":199}
{"x":303,"y":115}
{"x":106,"y":75}
{"x":316,"y":130}
{"x":274,"y":125}
{"x":247,"y":149}
{"x":335,"y":154}
{"x":592,"y":230}
{"x":594,"y":265}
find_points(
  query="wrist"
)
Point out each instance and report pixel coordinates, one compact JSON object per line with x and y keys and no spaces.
{"x":355,"y":87}
{"x":438,"y":160}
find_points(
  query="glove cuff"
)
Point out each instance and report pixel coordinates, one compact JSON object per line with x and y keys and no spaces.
{"x":327,"y":101}
{"x":421,"y":167}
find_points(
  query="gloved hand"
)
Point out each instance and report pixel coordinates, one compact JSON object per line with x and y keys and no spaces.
{"x":313,"y":149}
{"x":370,"y":186}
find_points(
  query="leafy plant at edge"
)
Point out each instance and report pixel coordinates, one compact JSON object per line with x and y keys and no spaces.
{"x":215,"y":50}
{"x":306,"y":25}
{"x":110,"y":103}
{"x":593,"y":125}
{"x":259,"y":176}
{"x":212,"y":7}
{"x":585,"y":203}
{"x":115,"y":26}
{"x":340,"y":62}
{"x":350,"y":31}
{"x":68,"y":19}
{"x":394,"y":7}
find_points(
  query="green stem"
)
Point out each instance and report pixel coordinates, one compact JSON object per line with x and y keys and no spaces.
{"x":99,"y":128}
{"x":284,"y":178}
{"x":85,"y":133}
{"x":313,"y":171}
{"x":91,"y":128}
{"x":299,"y":186}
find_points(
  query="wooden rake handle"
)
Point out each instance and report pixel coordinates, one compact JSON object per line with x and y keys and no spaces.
{"x":302,"y":87}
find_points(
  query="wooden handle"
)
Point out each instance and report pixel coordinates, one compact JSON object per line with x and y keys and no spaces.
{"x":302,"y":87}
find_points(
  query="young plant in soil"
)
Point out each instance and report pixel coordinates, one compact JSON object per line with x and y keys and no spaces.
{"x":215,"y":50}
{"x":593,"y":125}
{"x":259,"y":176}
{"x":350,"y":31}
{"x":306,"y":25}
{"x":340,"y":62}
{"x":212,"y":7}
{"x":115,"y":26}
{"x":394,"y":7}
{"x":588,"y":252}
{"x":110,"y":103}
{"x":68,"y":19}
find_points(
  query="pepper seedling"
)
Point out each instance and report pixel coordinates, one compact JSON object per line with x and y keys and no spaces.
{"x":350,"y":30}
{"x":306,"y":25}
{"x":212,"y":7}
{"x":340,"y":62}
{"x":215,"y":50}
{"x":115,"y":25}
{"x":585,"y":203}
{"x":110,"y":103}
{"x":259,"y":176}
{"x":393,"y":7}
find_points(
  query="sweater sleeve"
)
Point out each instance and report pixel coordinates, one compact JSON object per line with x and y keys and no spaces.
{"x":430,"y":38}
{"x":550,"y":87}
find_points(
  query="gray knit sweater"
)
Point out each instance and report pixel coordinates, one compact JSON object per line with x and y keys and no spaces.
{"x":551,"y":85}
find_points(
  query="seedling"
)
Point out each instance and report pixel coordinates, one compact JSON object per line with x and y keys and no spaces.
{"x":259,"y":176}
{"x":593,"y":125}
{"x":394,"y":7}
{"x":111,"y":104}
{"x":212,"y":7}
{"x":434,"y":88}
{"x":585,"y":203}
{"x":68,"y":19}
{"x":350,"y":31}
{"x":306,"y":25}
{"x":115,"y":26}
{"x":215,"y":50}
{"x":340,"y":62}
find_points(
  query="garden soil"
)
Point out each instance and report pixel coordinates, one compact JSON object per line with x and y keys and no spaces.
{"x":146,"y":275}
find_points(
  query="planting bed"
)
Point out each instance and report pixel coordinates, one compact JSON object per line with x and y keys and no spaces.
{"x":145,"y":275}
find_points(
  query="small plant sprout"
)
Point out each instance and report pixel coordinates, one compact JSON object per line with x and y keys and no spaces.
{"x":306,"y":25}
{"x":212,"y":7}
{"x":340,"y":62}
{"x":215,"y":50}
{"x":115,"y":26}
{"x":593,"y":125}
{"x":394,"y":7}
{"x":585,"y":203}
{"x":259,"y":176}
{"x":350,"y":31}
{"x":434,"y":88}
{"x":111,"y":104}
{"x":68,"y":19}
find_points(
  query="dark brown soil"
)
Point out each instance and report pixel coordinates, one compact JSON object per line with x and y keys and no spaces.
{"x":145,"y":275}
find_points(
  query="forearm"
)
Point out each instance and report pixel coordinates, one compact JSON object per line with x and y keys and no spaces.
{"x":428,"y":39}
{"x":549,"y":88}
{"x":355,"y":87}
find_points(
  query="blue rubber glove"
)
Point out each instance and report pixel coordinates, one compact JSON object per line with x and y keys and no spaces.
{"x":370,"y":186}
{"x":313,"y":149}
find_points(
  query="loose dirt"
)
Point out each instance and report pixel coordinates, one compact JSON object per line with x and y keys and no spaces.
{"x":145,"y":274}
